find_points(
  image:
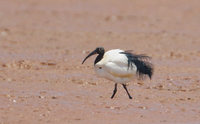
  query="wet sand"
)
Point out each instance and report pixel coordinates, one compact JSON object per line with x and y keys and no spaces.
{"x":42,"y":45}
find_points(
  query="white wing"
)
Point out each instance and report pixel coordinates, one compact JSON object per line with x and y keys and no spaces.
{"x":116,"y":64}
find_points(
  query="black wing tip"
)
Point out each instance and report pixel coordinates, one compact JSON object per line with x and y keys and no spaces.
{"x":147,"y":70}
{"x":138,"y":56}
{"x":144,"y":66}
{"x":150,"y":74}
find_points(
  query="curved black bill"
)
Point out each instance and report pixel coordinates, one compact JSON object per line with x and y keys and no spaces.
{"x":92,"y":53}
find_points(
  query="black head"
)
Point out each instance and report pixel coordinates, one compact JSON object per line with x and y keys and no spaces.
{"x":98,"y":50}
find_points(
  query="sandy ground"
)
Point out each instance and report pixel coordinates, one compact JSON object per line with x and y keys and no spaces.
{"x":43,"y":42}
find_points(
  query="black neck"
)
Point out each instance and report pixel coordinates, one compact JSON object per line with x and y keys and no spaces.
{"x":98,"y":58}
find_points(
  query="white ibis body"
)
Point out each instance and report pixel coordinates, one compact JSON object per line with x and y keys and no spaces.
{"x":120,"y":66}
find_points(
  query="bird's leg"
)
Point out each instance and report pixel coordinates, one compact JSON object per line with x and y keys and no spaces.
{"x":124,"y":85}
{"x":114,"y":91}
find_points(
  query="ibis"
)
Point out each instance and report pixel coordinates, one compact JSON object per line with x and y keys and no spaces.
{"x":121,"y":66}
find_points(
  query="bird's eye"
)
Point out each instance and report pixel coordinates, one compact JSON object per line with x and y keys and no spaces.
{"x":100,"y":67}
{"x":99,"y":50}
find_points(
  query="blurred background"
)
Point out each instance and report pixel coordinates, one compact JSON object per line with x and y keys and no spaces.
{"x":43,"y":42}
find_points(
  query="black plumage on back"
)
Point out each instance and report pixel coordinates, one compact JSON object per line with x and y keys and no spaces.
{"x":144,"y":66}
